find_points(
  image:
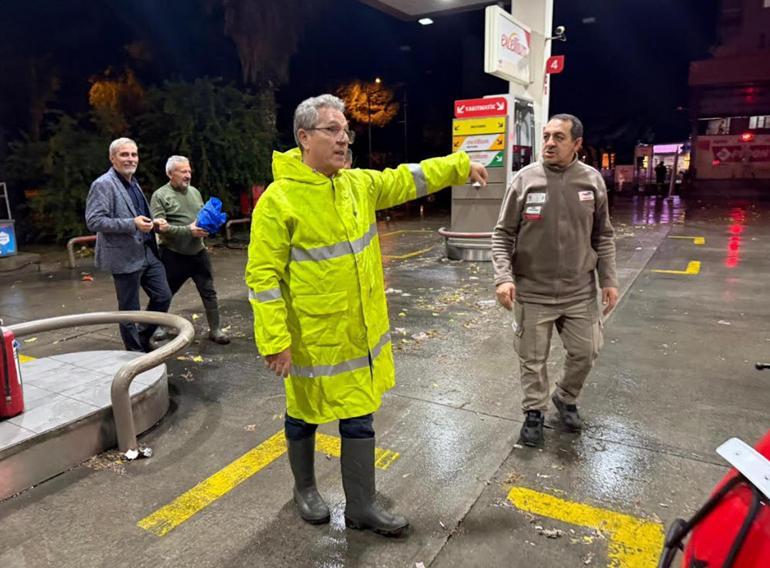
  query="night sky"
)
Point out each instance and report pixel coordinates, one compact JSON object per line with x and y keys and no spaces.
{"x":626,"y":60}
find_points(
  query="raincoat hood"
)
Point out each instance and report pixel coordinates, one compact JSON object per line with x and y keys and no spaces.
{"x":289,"y":166}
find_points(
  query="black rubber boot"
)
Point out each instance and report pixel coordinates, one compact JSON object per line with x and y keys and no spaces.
{"x":569,"y":414}
{"x":532,"y":430}
{"x":309,"y":502}
{"x":361,"y":509}
{"x":161,"y":334}
{"x":215,"y":331}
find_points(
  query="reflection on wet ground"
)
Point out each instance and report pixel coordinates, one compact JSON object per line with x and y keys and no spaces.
{"x":674,"y":380}
{"x":649,"y":209}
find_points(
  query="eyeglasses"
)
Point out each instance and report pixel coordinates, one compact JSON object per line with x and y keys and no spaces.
{"x":335,"y":131}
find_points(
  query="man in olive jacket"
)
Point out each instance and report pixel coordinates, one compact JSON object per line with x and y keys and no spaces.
{"x":317,"y":292}
{"x":552,"y":238}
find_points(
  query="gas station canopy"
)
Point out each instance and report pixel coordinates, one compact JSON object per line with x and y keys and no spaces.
{"x":411,"y":10}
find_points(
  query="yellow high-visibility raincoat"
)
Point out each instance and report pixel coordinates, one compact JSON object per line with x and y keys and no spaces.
{"x":315,"y":278}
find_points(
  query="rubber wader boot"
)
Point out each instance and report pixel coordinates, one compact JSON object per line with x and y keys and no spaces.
{"x":309,"y":502}
{"x":361,"y":510}
{"x":215,"y":331}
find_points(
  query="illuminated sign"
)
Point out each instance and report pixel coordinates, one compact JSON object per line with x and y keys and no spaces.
{"x":507,"y":47}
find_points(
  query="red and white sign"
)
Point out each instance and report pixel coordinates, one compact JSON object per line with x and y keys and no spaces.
{"x":555,"y":64}
{"x":732,"y":149}
{"x":507,"y":46}
{"x":470,"y":108}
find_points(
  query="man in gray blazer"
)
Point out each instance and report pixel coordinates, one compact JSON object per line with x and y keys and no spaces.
{"x":118,"y":212}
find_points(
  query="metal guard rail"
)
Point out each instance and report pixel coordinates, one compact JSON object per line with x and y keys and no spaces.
{"x":71,"y":246}
{"x":230,"y":223}
{"x":121,"y":400}
{"x":459,"y":235}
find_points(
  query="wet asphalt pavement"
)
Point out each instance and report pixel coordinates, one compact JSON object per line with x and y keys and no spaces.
{"x":675,"y":380}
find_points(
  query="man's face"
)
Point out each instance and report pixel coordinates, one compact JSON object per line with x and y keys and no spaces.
{"x":180,"y":175}
{"x":125,"y":159}
{"x":559,"y":147}
{"x":324,"y":150}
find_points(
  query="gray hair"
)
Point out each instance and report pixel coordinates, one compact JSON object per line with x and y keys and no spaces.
{"x":306,"y":115}
{"x":577,"y":127}
{"x":118,"y":142}
{"x":173,"y":161}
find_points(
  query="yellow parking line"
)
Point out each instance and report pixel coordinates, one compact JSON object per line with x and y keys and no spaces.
{"x":695,"y":240}
{"x":25,"y":358}
{"x":165,"y":519}
{"x":404,"y":231}
{"x":693,"y":268}
{"x":170,"y":516}
{"x":410,"y":255}
{"x":331,"y":446}
{"x":633,"y":542}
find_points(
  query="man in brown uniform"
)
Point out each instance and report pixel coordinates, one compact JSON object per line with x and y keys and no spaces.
{"x":553,"y":235}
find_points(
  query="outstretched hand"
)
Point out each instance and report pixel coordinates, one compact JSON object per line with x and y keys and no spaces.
{"x":478,"y":174}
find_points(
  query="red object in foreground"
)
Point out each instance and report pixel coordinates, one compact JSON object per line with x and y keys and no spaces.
{"x":12,"y":396}
{"x":712,"y":538}
{"x":747,"y":137}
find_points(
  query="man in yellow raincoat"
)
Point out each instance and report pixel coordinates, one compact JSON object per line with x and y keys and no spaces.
{"x":316,"y":287}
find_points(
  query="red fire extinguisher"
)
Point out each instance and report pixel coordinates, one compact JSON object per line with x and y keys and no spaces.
{"x":732,"y":529}
{"x":12,"y":395}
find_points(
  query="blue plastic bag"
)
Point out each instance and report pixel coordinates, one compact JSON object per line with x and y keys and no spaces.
{"x":211,"y":218}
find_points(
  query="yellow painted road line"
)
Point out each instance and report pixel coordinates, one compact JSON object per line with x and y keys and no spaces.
{"x":409,"y":255}
{"x":695,"y":240}
{"x":170,"y":516}
{"x":693,"y":268}
{"x":167,"y":518}
{"x":25,"y":358}
{"x":383,"y":459}
{"x":331,"y":446}
{"x":406,"y":231}
{"x":633,"y":542}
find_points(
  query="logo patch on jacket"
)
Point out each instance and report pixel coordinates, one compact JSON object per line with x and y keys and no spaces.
{"x":536,"y":197}
{"x":533,"y":212}
{"x":586,"y":195}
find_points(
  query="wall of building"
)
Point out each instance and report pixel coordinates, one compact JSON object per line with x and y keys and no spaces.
{"x":729,"y":157}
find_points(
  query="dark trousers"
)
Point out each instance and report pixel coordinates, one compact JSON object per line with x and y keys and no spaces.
{"x":152,"y":279}
{"x":359,"y":427}
{"x":181,"y":267}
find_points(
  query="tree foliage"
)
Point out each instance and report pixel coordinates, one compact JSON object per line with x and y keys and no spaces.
{"x":113,"y":99}
{"x":228,"y":135}
{"x":369,"y":102}
{"x":58,"y":169}
{"x":266,"y":34}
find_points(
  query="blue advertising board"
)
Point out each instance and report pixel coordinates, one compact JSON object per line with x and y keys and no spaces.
{"x":7,"y":239}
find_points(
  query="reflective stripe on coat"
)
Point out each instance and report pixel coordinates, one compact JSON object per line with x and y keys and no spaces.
{"x":315,"y":278}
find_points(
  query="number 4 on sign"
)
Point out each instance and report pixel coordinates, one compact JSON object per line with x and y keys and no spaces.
{"x":555,"y":64}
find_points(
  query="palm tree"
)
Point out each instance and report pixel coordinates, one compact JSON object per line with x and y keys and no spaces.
{"x":266,"y":34}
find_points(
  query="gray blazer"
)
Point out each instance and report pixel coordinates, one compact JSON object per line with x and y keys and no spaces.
{"x":110,"y":214}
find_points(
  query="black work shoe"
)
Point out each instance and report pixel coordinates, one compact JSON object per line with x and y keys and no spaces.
{"x":569,"y":414}
{"x":532,"y":430}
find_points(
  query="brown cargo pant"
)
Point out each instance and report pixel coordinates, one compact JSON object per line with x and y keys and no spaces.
{"x":580,"y":327}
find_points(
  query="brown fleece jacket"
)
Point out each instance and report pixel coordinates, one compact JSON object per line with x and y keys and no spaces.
{"x":553,"y":233}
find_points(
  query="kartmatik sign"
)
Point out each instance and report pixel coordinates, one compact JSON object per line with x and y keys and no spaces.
{"x":472,"y":108}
